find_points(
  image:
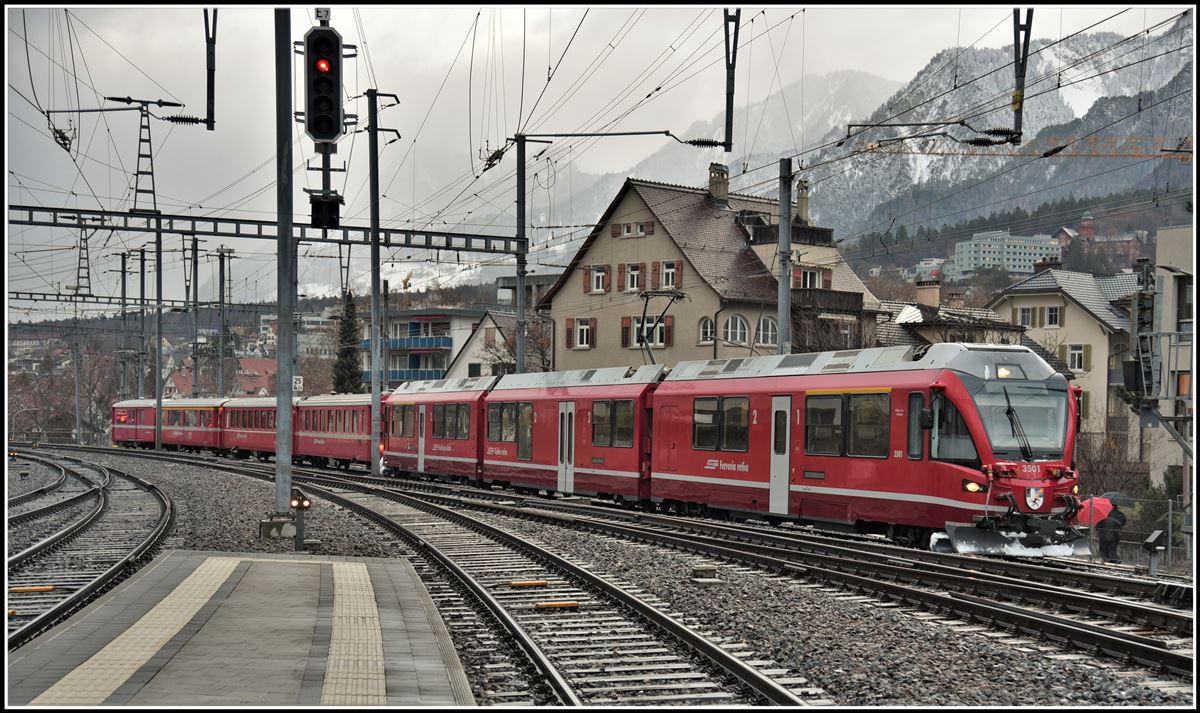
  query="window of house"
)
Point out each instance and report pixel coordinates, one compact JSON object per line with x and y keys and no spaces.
{"x":633,"y":277}
{"x":1053,"y":318}
{"x":736,"y":329}
{"x":648,"y":332}
{"x":823,"y":425}
{"x":668,"y":274}
{"x":1183,"y":308}
{"x":1075,"y":357}
{"x":768,"y":331}
{"x":474,"y":369}
{"x":809,"y":280}
{"x":583,"y":333}
{"x":705,"y":330}
{"x":627,"y":229}
{"x":598,"y":278}
{"x":869,"y":425}
{"x":1025,"y":316}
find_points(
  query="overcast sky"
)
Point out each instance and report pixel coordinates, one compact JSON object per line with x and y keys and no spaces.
{"x":604,"y":60}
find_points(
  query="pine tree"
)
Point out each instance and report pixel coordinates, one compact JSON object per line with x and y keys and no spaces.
{"x":347,"y":369}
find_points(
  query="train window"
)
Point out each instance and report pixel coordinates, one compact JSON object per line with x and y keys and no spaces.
{"x":464,"y":421}
{"x":524,"y":430}
{"x":950,"y":440}
{"x":410,"y":420}
{"x":869,"y":425}
{"x":439,"y":420}
{"x":623,"y":424}
{"x":823,"y":425}
{"x":916,"y":434}
{"x":779,"y":437}
{"x":508,"y":423}
{"x":601,"y":423}
{"x":704,"y":424}
{"x":493,"y":433}
{"x":735,"y":423}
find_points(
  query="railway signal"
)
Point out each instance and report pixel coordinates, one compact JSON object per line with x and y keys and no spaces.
{"x":323,"y":84}
{"x":300,"y":501}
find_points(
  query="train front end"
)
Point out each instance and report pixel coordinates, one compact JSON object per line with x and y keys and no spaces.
{"x":1024,"y":417}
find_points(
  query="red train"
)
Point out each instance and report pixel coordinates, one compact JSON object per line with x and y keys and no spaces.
{"x":972,"y":442}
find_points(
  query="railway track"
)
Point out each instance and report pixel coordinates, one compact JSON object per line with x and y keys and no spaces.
{"x":16,"y":503}
{"x":60,"y":573}
{"x":1156,"y":637}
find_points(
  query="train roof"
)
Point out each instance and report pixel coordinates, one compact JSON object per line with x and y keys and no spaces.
{"x":134,"y":403}
{"x":171,"y":403}
{"x":610,"y":376}
{"x":342,"y":399}
{"x":257,"y":402}
{"x":472,"y":383}
{"x":969,"y":358}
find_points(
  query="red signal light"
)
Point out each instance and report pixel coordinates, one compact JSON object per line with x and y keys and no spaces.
{"x":322,"y":65}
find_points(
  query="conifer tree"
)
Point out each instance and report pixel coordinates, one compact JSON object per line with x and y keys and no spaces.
{"x":347,"y":368}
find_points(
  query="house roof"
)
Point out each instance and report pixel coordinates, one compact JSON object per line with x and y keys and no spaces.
{"x":900,"y":328}
{"x":1091,"y":292}
{"x":705,"y":232}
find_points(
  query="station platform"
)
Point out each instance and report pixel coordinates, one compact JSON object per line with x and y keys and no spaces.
{"x":225,"y":629}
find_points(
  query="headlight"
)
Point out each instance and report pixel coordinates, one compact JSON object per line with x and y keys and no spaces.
{"x":970,"y":486}
{"x":1075,"y":489}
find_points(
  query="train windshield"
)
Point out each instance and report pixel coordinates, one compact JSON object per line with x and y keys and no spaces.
{"x":1014,"y":410}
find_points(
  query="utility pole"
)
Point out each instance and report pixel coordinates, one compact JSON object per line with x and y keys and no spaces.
{"x":141,"y":354}
{"x":373,"y":128}
{"x":158,"y":275}
{"x":221,"y":253}
{"x":386,"y":335}
{"x":195,"y":314}
{"x":521,"y":250}
{"x":286,"y":263}
{"x":124,"y":336}
{"x":785,"y":256}
{"x":75,"y":358}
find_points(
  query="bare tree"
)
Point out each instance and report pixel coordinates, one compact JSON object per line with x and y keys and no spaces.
{"x":501,"y":354}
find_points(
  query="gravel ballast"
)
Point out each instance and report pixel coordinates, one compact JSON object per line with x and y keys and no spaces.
{"x":39,"y":476}
{"x":859,"y":653}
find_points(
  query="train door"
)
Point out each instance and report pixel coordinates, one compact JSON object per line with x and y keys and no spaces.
{"x":421,"y":438}
{"x":566,"y":446}
{"x":781,"y":408}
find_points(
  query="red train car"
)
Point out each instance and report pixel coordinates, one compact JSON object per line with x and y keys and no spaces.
{"x":876,"y":440}
{"x":435,"y":427}
{"x":133,"y":423}
{"x":191,"y":424}
{"x":248,"y":427}
{"x":584,"y":431}
{"x":334,"y":429}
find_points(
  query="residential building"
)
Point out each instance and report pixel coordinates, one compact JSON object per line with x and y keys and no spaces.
{"x":536,"y":287}
{"x":420,"y":343}
{"x":1174,"y":315}
{"x":1000,"y":249}
{"x":712,"y":252}
{"x":491,"y":348}
{"x":316,"y":333}
{"x":1084,"y":319}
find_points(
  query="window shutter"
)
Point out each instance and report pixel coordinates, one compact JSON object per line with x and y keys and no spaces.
{"x":679,"y":274}
{"x":489,"y":336}
{"x":570,"y":333}
{"x":1014,"y":317}
{"x":649,"y":227}
{"x":669,"y":337}
{"x":1041,"y":316}
{"x":654,"y":267}
{"x":607,"y":277}
{"x":797,"y":279}
{"x":620,"y":277}
{"x":641,"y":276}
{"x":625,"y":322}
{"x":1086,"y":406}
{"x":616,"y":230}
{"x":826,"y":279}
{"x":1062,"y":351}
{"x":594,"y":331}
{"x":1087,"y":357}
{"x":587,"y":280}
{"x":1062,"y":316}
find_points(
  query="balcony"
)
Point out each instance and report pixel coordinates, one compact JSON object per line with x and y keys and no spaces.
{"x":827,"y":300}
{"x":415,"y":343}
{"x":408,"y":375}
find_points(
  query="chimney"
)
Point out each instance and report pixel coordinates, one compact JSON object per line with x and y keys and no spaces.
{"x":929,"y":292}
{"x":1047,"y":263}
{"x":802,"y":202}
{"x":718,"y":183}
{"x":956,"y":298}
